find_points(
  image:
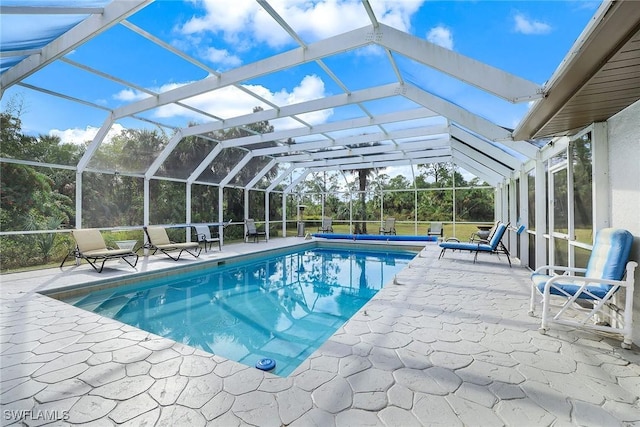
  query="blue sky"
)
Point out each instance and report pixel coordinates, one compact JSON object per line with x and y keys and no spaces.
{"x":528,"y":39}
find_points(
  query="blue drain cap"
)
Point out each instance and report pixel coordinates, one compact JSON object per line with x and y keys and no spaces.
{"x":266,"y":364}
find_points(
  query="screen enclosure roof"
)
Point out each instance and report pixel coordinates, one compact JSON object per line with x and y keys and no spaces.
{"x":386,"y":111}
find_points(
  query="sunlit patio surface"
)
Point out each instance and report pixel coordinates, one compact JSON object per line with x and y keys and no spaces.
{"x":449,"y":342}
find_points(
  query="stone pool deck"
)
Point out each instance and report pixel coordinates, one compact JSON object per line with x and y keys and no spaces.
{"x":448,"y":343}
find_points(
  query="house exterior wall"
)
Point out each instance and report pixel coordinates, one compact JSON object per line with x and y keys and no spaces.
{"x":624,"y":185}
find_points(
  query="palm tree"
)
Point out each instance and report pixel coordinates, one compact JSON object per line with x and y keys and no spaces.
{"x":361,"y":217}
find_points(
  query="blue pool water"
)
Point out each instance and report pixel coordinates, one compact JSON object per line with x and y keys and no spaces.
{"x":281,"y":307}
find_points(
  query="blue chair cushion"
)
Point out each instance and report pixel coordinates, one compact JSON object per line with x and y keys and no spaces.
{"x":598,"y":290}
{"x":610,"y":254}
{"x":497,"y":236}
{"x":466,"y":246}
{"x":608,"y":261}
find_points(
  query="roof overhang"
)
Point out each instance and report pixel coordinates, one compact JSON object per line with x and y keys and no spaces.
{"x":598,"y":78}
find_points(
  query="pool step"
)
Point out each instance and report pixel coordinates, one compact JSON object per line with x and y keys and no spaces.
{"x":112,"y":306}
{"x":92,"y":300}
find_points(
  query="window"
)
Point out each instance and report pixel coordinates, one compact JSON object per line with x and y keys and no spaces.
{"x":582,"y":188}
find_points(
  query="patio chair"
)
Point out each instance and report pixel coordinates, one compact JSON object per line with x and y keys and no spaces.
{"x":253,"y":232}
{"x":204,"y":235}
{"x":90,"y":245}
{"x":327,"y":225}
{"x":158,"y":240}
{"x":495,"y":246}
{"x":389,"y":226}
{"x":436,"y":229}
{"x":587,"y":301}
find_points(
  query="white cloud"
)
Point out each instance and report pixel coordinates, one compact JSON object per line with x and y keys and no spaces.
{"x":311,"y":20}
{"x":225,"y":102}
{"x":441,"y":36}
{"x":526,"y":26}
{"x":222,"y":57}
{"x":80,"y":136}
{"x":231,"y":102}
{"x":130,"y":95}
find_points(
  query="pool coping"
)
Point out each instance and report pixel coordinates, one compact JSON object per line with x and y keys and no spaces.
{"x":66,"y":291}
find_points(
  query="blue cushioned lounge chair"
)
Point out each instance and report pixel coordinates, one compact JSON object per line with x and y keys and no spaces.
{"x":495,"y":246}
{"x":587,"y":301}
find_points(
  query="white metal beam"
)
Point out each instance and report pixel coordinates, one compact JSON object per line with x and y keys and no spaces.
{"x":490,"y":163}
{"x":93,"y":146}
{"x":355,"y":140}
{"x":63,"y":96}
{"x":95,"y":24}
{"x":260,"y":174}
{"x":295,"y":182}
{"x":485,"y":147}
{"x":364,"y":95}
{"x":237,"y":168}
{"x":471,"y":167}
{"x":493,"y":80}
{"x":205,"y":163}
{"x":345,"y":153}
{"x":344,"y":162}
{"x":385,"y":164}
{"x":49,"y":10}
{"x":457,"y":114}
{"x":418,"y":113}
{"x":153,"y":168}
{"x":330,"y":46}
{"x":280,"y":177}
{"x":477,"y":168}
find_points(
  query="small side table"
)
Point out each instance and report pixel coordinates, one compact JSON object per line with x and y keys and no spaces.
{"x":483,"y":232}
{"x":126,"y":244}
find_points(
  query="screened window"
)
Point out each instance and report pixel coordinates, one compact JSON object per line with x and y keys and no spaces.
{"x":582,"y":188}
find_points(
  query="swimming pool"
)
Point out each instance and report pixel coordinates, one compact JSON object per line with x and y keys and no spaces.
{"x":281,"y":306}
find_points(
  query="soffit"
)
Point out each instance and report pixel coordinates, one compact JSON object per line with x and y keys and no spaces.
{"x":599,"y":77}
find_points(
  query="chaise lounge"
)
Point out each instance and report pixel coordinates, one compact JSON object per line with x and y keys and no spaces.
{"x":495,"y":246}
{"x":90,"y":246}
{"x":158,"y":240}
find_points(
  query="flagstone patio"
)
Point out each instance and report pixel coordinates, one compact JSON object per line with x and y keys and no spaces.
{"x":449,"y":342}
